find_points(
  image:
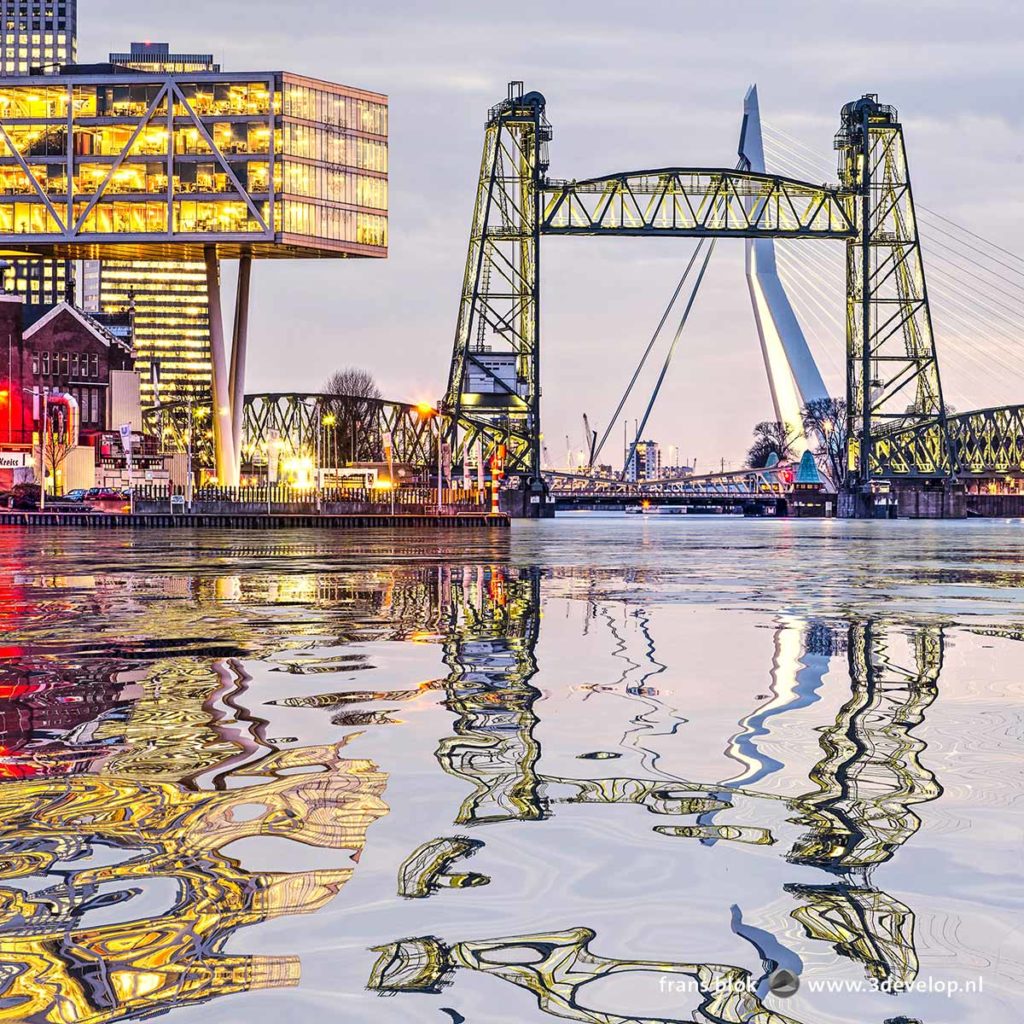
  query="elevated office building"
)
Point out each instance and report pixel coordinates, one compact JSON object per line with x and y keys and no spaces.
{"x":168,"y":300}
{"x":188,"y":167}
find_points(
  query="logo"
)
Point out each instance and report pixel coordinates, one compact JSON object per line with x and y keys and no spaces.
{"x":783,"y":983}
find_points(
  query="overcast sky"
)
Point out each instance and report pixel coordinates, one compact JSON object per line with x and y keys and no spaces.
{"x":628,"y":86}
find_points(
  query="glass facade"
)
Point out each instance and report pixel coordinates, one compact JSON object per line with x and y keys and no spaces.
{"x":280,"y":165}
{"x":171,"y":319}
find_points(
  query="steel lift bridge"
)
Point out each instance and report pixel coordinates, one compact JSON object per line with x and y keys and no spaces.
{"x":898,"y":427}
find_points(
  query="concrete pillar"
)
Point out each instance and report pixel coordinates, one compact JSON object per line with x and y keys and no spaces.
{"x":223,"y":432}
{"x":239,"y":343}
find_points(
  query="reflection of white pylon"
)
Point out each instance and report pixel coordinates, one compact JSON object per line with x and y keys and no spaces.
{"x":793,"y":376}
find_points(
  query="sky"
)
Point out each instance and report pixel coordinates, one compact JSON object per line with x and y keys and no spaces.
{"x":627,"y":87}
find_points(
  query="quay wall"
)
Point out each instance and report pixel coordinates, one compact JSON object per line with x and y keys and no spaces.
{"x":251,"y":521}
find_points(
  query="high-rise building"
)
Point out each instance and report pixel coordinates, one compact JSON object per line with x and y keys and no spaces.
{"x":38,"y":34}
{"x":171,"y":320}
{"x":645,"y":463}
{"x":170,"y":303}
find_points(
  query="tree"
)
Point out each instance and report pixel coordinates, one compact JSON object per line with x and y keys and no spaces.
{"x":351,"y":382}
{"x":825,"y":420}
{"x":771,"y":437}
{"x":345,"y":416}
{"x":58,"y":444}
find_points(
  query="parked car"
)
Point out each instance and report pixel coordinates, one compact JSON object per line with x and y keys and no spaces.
{"x":106,"y":499}
{"x":77,"y":495}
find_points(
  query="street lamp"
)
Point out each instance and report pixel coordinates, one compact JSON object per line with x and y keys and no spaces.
{"x":329,"y":420}
{"x":427,"y":412}
{"x":35,"y":393}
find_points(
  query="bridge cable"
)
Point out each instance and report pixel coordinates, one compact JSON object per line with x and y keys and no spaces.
{"x":647,"y":351}
{"x":965,"y":315}
{"x":668,"y":358}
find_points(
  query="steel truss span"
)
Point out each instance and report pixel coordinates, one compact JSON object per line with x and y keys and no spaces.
{"x":363,"y":426}
{"x":349,"y":428}
{"x":695,"y":203}
{"x":898,"y":421}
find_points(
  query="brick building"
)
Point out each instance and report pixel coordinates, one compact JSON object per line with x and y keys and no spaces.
{"x":65,"y":350}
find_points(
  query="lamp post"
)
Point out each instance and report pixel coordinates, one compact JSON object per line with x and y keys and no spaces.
{"x":329,"y":420}
{"x":428,"y":412}
{"x":45,"y":394}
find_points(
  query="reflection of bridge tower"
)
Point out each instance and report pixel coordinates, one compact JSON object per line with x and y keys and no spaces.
{"x":489,"y":648}
{"x":793,"y":375}
{"x":868,"y":781}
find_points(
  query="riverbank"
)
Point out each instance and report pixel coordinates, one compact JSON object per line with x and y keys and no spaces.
{"x":252,"y":520}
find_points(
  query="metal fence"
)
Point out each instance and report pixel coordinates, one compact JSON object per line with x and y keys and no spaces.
{"x":283,"y":499}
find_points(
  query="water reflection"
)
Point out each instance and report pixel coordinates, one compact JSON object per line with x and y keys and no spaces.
{"x":60,"y":964}
{"x":133,"y":768}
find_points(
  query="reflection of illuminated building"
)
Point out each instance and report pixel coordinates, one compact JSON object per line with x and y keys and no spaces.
{"x":139,"y":967}
{"x":52,"y":724}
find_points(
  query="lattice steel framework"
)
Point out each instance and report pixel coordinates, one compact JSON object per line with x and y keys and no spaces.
{"x":493,"y":392}
{"x":362,"y":425}
{"x":355,"y":428}
{"x":897,"y":417}
{"x":696,"y":202}
{"x":892,"y":370}
{"x":493,"y":385}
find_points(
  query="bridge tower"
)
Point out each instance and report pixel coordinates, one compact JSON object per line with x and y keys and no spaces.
{"x":896,"y":415}
{"x":493,"y":390}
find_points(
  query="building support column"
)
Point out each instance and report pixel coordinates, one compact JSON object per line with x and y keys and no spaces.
{"x":239,"y":343}
{"x":223,"y":432}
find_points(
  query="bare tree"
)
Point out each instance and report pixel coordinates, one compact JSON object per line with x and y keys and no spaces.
{"x":771,"y":437}
{"x":57,"y":445}
{"x":825,"y":419}
{"x":346,"y":417}
{"x":351,"y":382}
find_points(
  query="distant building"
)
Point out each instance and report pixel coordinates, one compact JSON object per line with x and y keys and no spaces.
{"x":37,"y":34}
{"x":158,"y":57}
{"x":645,"y":463}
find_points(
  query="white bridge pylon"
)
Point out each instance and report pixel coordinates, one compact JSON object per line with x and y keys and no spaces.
{"x":793,"y":375}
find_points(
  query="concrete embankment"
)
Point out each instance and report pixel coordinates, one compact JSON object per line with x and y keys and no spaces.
{"x":250,"y":521}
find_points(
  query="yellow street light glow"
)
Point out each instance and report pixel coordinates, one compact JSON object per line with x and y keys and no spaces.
{"x":425,"y":409}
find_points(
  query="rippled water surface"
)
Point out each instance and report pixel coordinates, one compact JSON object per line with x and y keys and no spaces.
{"x":599,"y":769}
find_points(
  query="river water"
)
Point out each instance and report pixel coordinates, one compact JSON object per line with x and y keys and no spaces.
{"x":603,"y":769}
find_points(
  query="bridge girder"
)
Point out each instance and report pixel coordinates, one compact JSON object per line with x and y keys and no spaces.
{"x":695,"y":203}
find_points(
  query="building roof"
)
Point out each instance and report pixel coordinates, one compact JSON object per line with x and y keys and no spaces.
{"x":97,"y":330}
{"x":807,"y":472}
